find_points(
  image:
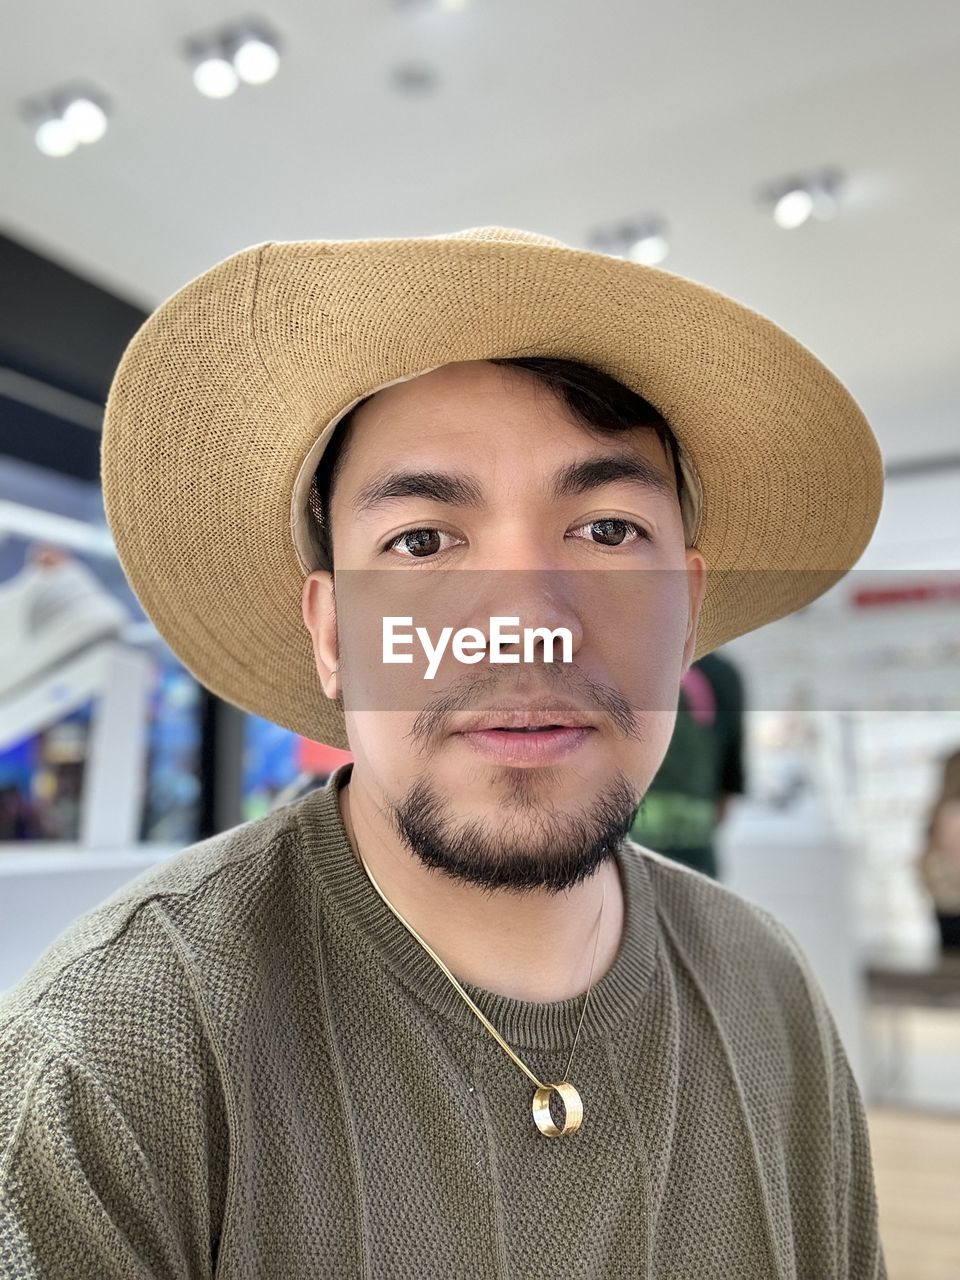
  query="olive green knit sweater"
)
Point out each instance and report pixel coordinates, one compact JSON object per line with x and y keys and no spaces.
{"x":242,"y":1065}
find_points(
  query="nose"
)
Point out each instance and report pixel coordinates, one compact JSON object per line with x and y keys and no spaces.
{"x":543,"y":602}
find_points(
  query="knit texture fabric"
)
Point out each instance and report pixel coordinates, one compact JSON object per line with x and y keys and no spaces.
{"x":242,"y":1065}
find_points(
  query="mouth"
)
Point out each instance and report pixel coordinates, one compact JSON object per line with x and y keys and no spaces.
{"x":529,"y":718}
{"x":526,"y":735}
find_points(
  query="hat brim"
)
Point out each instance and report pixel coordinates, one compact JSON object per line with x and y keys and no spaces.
{"x":225,"y":389}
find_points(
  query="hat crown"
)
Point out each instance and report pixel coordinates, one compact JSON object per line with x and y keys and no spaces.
{"x":506,"y":235}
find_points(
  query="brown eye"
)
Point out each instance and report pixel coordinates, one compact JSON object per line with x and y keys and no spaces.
{"x":419,"y":542}
{"x":610,"y":532}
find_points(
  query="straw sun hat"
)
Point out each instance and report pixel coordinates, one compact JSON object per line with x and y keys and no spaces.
{"x":227,"y":395}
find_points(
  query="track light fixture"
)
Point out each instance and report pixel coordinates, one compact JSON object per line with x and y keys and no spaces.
{"x":643,"y":240}
{"x":247,"y":52}
{"x":67,"y":118}
{"x":795,"y":200}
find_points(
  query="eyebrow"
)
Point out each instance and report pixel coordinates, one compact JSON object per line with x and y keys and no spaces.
{"x":593,"y":473}
{"x":461,"y":491}
{"x":438,"y":486}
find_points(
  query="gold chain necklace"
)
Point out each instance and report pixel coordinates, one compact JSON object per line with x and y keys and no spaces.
{"x":572,"y":1102}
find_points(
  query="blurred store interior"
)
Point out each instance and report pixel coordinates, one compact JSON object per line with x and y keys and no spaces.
{"x":799,"y":158}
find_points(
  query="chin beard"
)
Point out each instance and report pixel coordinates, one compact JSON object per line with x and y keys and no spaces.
{"x":550,"y":850}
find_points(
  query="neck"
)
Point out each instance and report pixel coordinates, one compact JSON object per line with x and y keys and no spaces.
{"x":536,"y":946}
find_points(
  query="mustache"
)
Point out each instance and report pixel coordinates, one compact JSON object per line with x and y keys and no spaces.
{"x":566,"y":680}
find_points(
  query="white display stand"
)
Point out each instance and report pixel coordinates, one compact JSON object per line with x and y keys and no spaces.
{"x":861,"y":706}
{"x":116,"y":679}
{"x":797,"y":867}
{"x":44,"y":887}
{"x":114,"y":780}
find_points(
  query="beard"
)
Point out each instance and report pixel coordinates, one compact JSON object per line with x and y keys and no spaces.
{"x":533,"y":847}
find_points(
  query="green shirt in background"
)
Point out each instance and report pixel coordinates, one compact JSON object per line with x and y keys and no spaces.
{"x":704,"y":762}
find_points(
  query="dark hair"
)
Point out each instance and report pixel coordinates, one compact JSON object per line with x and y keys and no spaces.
{"x":594,"y":399}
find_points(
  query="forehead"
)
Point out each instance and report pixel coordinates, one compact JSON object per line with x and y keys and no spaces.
{"x":476,"y":411}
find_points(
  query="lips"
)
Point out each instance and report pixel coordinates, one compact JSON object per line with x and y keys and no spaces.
{"x":527,"y":746}
{"x":523,"y":735}
{"x":526,"y":718}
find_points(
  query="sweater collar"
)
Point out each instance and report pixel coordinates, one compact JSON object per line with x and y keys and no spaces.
{"x":347,"y":892}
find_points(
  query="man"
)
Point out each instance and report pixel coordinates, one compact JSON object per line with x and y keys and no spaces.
{"x":702,"y":770}
{"x":440,"y":1018}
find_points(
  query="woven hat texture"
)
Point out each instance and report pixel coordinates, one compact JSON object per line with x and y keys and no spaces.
{"x":225,"y":391}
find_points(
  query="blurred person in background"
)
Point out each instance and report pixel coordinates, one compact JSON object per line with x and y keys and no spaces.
{"x":702,"y":770}
{"x":939,"y":863}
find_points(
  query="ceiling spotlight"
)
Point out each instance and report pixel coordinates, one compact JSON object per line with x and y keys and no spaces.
{"x":256,"y":59}
{"x":650,"y":249}
{"x":246,"y":51}
{"x":215,"y":77}
{"x":793,"y":208}
{"x":644,"y":241}
{"x":54,"y":137}
{"x":85,"y":119}
{"x":64,"y":119}
{"x":799,"y":199}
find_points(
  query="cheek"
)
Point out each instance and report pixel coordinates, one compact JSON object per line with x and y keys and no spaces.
{"x":378,"y":708}
{"x":657,"y":730}
{"x":375,"y":690}
{"x":377,"y":742}
{"x":635,"y":624}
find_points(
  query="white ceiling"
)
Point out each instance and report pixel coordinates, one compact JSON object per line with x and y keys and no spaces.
{"x":553,"y":115}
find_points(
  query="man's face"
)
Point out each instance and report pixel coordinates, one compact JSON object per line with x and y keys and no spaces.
{"x":466,"y":494}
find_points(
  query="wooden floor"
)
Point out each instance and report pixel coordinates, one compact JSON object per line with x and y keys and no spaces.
{"x":916,"y":1159}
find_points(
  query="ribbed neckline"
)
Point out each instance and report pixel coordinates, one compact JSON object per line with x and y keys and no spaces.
{"x":552,"y":1026}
